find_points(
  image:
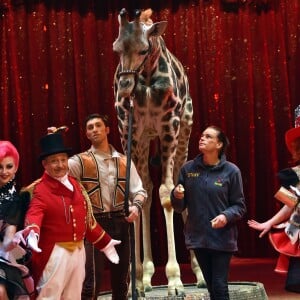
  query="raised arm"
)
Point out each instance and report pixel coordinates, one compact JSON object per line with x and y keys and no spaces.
{"x":281,"y":216}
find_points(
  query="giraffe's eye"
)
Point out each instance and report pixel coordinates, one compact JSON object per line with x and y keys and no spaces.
{"x":143,"y":52}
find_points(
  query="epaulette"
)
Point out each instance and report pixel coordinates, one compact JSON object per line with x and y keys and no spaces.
{"x":30,"y":188}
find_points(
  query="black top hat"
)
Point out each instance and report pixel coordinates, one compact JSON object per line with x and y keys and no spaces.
{"x":52,"y":144}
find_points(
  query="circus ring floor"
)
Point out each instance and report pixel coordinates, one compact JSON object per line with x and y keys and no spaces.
{"x":247,"y":270}
{"x":239,"y":290}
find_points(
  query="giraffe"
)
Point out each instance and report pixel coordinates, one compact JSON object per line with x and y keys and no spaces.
{"x":151,"y":78}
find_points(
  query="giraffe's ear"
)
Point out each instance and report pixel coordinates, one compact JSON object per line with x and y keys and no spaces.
{"x":157,"y":29}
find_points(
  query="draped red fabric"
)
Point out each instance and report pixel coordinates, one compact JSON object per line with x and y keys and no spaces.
{"x":243,"y":64}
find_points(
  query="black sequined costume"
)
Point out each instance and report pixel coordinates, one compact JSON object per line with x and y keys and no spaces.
{"x":12,"y":210}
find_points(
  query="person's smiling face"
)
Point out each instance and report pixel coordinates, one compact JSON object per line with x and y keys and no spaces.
{"x":56,"y":165}
{"x":8,"y":170}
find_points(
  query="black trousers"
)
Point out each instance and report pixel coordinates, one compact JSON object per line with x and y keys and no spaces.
{"x":292,"y":283}
{"x":118,"y":228}
{"x":215,"y":269}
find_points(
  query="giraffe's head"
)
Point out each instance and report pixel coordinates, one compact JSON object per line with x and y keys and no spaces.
{"x":134,"y":46}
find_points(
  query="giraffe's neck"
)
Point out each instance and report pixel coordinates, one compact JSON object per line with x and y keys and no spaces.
{"x":153,"y":57}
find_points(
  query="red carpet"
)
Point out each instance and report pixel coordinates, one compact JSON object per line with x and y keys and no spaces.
{"x":262,"y":270}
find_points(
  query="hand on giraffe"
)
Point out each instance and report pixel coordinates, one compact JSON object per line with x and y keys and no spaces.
{"x":179,"y":191}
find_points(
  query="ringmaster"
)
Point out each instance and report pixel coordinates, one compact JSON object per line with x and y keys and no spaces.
{"x":59,"y":218}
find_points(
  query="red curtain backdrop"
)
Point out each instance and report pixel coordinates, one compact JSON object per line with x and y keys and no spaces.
{"x":242,"y":59}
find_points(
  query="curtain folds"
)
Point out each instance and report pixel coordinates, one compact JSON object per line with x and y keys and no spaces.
{"x":243,"y":64}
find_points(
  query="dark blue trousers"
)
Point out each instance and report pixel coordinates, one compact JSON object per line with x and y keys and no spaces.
{"x":215,"y":269}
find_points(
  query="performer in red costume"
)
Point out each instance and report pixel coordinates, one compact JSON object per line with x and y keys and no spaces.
{"x":284,"y":226}
{"x":58,"y":219}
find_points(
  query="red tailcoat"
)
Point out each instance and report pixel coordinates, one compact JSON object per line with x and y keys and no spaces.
{"x":59,"y":215}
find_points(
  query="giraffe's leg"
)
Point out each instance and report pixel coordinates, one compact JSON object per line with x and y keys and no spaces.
{"x":143,"y":169}
{"x":197,"y":271}
{"x":138,"y":271}
{"x":175,"y":286}
{"x":144,"y":272}
{"x":148,"y":266}
{"x":138,"y":262}
{"x":181,"y":156}
{"x":139,"y":287}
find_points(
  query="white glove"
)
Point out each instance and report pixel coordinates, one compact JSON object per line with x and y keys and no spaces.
{"x":32,"y":241}
{"x":111,"y":252}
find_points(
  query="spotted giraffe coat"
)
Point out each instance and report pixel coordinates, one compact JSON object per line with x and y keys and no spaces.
{"x":162,"y":103}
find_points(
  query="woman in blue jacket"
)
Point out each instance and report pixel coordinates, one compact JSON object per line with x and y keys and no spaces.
{"x":211,"y":189}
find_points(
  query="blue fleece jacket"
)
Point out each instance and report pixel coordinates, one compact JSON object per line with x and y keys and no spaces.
{"x":210,"y":191}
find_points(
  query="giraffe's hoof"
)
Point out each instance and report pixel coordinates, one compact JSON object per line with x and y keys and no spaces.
{"x":176,"y":292}
{"x":148,"y":268}
{"x":138,"y":293}
{"x":180,"y":293}
{"x":148,"y":288}
{"x":141,"y":294}
{"x":201,"y":284}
